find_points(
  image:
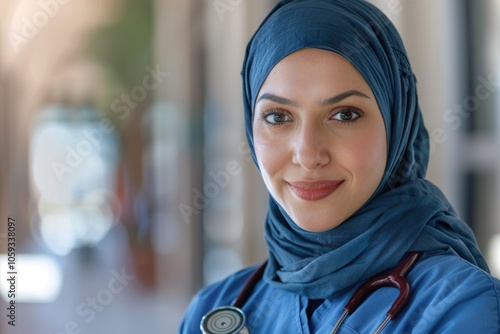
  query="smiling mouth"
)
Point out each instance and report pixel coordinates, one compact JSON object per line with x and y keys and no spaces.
{"x":314,"y":191}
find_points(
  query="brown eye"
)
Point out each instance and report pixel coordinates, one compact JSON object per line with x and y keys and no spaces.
{"x":279,"y":118}
{"x":276,"y":118}
{"x":347,"y":115}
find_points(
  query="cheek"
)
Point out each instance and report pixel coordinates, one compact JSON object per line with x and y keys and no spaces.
{"x":368,"y":158}
{"x":271,"y":153}
{"x":265,"y":152}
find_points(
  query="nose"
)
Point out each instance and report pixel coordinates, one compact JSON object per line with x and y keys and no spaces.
{"x":310,"y":147}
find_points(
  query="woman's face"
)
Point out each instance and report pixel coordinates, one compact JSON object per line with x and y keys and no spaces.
{"x":319,"y":138}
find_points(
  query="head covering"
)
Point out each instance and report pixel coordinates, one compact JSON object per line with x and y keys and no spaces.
{"x":406,"y":212}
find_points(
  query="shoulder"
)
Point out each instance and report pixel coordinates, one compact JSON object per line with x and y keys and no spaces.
{"x":220,"y":293}
{"x":451,"y":293}
{"x":455,"y":273}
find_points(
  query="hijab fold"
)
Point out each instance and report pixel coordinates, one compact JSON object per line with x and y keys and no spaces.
{"x":406,"y":212}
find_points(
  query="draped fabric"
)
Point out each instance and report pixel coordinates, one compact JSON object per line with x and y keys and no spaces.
{"x":406,"y":212}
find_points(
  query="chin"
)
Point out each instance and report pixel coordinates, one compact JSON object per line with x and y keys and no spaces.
{"x":316,"y":217}
{"x":315,"y":225}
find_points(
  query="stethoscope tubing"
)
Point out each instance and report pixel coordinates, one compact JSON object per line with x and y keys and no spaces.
{"x":233,"y":319}
{"x":396,"y":278}
{"x":247,"y":290}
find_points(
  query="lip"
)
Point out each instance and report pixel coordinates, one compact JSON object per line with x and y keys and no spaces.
{"x":314,"y":190}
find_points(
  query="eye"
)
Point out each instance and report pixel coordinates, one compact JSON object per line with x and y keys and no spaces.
{"x":347,"y":115}
{"x":275,"y":118}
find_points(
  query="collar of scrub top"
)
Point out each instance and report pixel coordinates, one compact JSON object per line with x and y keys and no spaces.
{"x":231,"y":319}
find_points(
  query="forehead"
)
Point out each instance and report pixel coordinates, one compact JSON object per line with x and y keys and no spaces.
{"x":313,"y":73}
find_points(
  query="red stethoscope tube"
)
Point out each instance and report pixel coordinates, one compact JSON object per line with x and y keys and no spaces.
{"x":233,"y":316}
{"x":396,"y":278}
{"x":249,"y":286}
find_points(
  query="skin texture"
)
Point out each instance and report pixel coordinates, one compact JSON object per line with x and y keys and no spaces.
{"x":302,"y":135}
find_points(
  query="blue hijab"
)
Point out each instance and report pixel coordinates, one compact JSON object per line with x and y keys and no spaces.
{"x":406,"y":212}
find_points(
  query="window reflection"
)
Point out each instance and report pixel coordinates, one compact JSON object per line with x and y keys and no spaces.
{"x":73,"y":168}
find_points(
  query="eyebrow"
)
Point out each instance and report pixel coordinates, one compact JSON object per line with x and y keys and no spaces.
{"x":324,"y":103}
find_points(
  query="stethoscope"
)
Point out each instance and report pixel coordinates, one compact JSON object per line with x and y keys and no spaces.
{"x":231,"y":319}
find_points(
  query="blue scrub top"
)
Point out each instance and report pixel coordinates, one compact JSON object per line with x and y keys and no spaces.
{"x":449,"y":295}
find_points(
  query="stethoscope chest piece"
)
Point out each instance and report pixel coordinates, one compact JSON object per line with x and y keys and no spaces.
{"x":224,"y":320}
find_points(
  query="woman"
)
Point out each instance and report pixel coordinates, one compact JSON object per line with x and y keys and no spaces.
{"x":334,"y":126}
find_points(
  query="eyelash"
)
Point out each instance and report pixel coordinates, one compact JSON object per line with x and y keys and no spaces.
{"x":355,"y":111}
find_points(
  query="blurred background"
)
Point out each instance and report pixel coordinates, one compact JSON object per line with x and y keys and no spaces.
{"x":124,"y":161}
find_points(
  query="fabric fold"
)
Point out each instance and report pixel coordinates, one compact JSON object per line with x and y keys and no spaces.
{"x":317,"y":265}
